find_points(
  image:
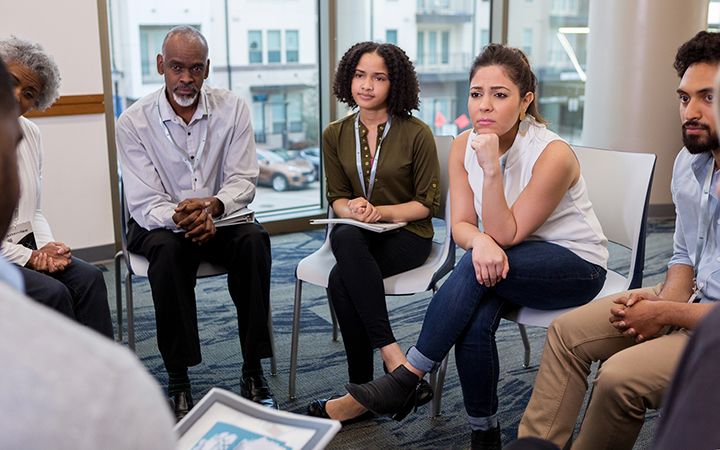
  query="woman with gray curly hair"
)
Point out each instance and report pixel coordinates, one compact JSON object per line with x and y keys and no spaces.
{"x":52,"y":275}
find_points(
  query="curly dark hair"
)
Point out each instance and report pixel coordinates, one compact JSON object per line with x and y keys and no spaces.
{"x":404,"y":89}
{"x":517,"y":67}
{"x":704,"y":47}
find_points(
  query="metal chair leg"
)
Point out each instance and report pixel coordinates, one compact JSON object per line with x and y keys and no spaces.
{"x":333,"y":316}
{"x":526,"y":344}
{"x":294,"y":339}
{"x":437,"y":381}
{"x":118,"y":294}
{"x":130,"y":315}
{"x":273,"y":360}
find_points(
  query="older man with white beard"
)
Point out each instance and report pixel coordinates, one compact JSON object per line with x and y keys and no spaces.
{"x":188,"y":156}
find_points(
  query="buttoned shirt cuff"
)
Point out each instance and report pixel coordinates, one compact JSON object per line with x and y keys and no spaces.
{"x":229,"y":205}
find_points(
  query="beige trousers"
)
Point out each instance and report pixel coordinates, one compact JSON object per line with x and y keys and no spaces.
{"x":632,"y":378}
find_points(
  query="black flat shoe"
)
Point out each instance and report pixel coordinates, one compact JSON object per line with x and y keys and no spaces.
{"x":394,"y":394}
{"x":182,"y":404}
{"x":255,"y":388}
{"x":317,"y":409}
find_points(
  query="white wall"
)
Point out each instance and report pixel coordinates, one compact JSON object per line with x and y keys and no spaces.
{"x":76,"y":187}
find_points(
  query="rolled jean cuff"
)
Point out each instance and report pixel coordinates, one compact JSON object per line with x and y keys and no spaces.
{"x":422,"y":362}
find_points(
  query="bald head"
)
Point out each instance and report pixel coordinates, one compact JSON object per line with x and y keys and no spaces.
{"x":185,"y":35}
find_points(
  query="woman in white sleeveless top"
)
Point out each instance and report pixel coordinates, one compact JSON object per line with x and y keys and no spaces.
{"x":521,"y":210}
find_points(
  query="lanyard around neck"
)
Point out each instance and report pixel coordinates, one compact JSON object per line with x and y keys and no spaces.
{"x":704,"y":219}
{"x":191,"y":163}
{"x":358,"y":157}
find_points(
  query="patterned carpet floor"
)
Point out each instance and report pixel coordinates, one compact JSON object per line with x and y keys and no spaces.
{"x":322,"y":369}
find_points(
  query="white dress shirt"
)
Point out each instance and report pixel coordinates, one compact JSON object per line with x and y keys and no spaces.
{"x":29,"y":157}
{"x":164,"y":160}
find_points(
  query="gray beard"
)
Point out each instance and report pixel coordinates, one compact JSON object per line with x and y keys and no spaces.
{"x":184,"y":101}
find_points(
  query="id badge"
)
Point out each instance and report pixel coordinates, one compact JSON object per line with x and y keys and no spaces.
{"x":199,"y":193}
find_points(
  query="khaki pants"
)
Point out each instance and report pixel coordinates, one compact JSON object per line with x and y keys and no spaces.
{"x":633,"y":377}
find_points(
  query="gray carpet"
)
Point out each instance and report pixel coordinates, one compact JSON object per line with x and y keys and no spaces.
{"x":322,"y":369}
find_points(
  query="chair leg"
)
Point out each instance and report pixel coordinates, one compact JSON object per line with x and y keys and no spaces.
{"x":437,"y":380}
{"x":294,"y":339}
{"x":118,"y":294}
{"x":333,"y":316}
{"x":273,"y":360}
{"x":130,"y":315}
{"x":526,"y":344}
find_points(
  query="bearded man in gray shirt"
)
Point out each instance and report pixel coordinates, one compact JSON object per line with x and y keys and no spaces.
{"x":188,"y":156}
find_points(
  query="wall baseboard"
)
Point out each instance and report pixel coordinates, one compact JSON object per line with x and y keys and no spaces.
{"x":661,"y":210}
{"x":100,"y":253}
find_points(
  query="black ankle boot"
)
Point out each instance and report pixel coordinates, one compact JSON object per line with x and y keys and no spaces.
{"x":486,"y":439}
{"x":425,"y":392}
{"x":394,"y":394}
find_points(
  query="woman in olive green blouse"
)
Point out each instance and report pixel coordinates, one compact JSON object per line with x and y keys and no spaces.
{"x":381,"y":166}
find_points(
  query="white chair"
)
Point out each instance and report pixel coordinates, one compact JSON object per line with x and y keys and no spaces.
{"x":618,"y":184}
{"x":138,"y":265}
{"x":315,"y":268}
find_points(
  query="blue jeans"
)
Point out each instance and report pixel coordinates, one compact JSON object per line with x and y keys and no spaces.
{"x":466,"y":314}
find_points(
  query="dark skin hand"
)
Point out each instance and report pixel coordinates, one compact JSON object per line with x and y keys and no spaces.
{"x":52,"y":257}
{"x":637,"y":315}
{"x":195,"y":216}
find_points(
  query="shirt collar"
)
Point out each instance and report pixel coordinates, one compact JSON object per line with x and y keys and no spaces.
{"x":700,"y":165}
{"x":167,"y":113}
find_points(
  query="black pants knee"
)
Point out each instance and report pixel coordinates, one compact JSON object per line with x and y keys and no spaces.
{"x":173,"y":261}
{"x":356,"y":288}
{"x":78,"y":291}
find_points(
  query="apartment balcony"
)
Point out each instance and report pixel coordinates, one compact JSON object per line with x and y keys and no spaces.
{"x":444,"y":11}
{"x":448,"y":67}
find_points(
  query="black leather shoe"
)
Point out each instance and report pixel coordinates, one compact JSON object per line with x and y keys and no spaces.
{"x":317,"y":409}
{"x":255,"y":388}
{"x":394,"y":394}
{"x":182,"y":404}
{"x":486,"y":439}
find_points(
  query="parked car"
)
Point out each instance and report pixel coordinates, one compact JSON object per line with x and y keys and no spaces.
{"x":312,"y":154}
{"x":282,"y":170}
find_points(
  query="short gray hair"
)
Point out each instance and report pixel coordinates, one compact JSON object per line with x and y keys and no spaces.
{"x":188,"y":32}
{"x":33,"y":56}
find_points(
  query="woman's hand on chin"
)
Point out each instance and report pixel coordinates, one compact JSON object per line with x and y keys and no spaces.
{"x":487,"y":151}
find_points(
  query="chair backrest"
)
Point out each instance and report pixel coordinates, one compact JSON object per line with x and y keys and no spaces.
{"x":619,"y":184}
{"x":124,"y":212}
{"x":443,"y":144}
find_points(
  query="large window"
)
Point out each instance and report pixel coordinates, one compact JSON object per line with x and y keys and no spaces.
{"x":248,"y":52}
{"x":555,"y":40}
{"x":441,"y":37}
